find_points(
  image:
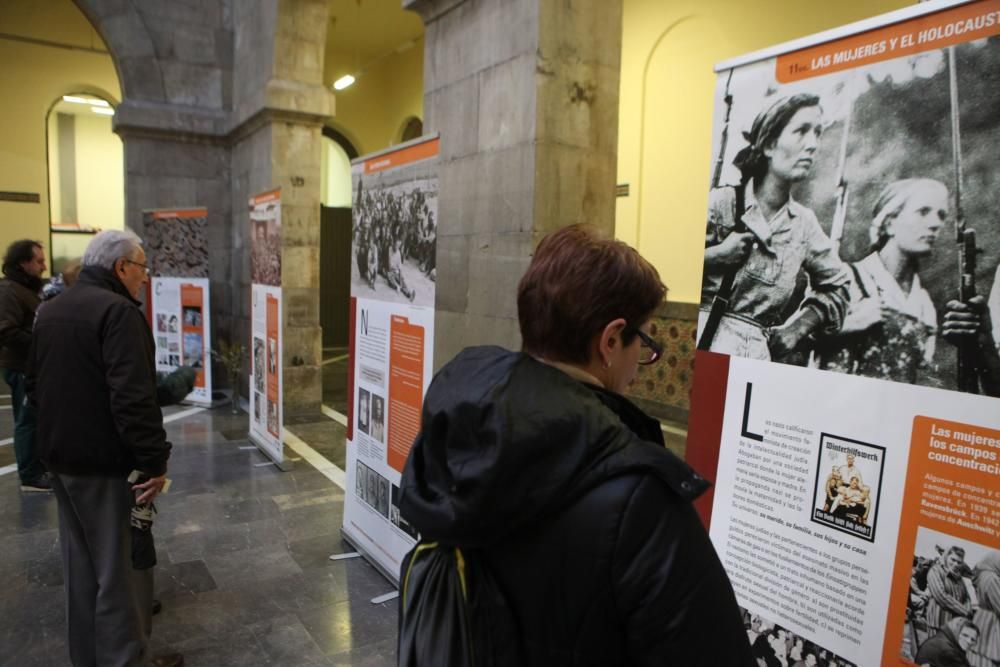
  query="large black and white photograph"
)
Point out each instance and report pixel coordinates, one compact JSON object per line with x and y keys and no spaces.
{"x":265,"y":243}
{"x":848,"y":482}
{"x":953,"y":608}
{"x":395,"y":235}
{"x":774,"y":645}
{"x":851,"y":223}
{"x":176,"y":242}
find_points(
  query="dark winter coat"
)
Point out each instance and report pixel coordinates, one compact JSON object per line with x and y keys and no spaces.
{"x":583,"y":517}
{"x":942,"y":650}
{"x":19,"y":300}
{"x":92,"y":379}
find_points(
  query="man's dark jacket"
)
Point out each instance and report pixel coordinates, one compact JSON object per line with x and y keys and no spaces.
{"x":583,"y":517}
{"x":92,"y":379}
{"x":18,"y":302}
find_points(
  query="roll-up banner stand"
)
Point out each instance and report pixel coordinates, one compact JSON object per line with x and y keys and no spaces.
{"x":392,"y":339}
{"x":176,"y":243}
{"x":846,"y":390}
{"x":266,"y":417}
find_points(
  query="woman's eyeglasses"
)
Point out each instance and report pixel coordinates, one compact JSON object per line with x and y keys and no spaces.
{"x":651,"y":351}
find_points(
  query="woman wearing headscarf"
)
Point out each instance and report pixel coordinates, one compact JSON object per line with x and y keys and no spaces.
{"x":770,"y":241}
{"x":986,"y":578}
{"x":948,"y":596}
{"x":950,"y":646}
{"x":890,"y":328}
{"x":532,"y":469}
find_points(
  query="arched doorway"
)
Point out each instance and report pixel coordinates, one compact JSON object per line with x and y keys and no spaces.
{"x":335,"y":234}
{"x":85,"y":175}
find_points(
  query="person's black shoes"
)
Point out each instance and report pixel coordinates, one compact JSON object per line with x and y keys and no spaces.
{"x":41,"y":484}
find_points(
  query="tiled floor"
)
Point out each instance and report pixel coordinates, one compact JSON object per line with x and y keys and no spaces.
{"x":244,"y":574}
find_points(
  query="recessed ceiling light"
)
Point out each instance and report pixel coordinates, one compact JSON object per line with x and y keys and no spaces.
{"x":343,"y":82}
{"x":92,"y":101}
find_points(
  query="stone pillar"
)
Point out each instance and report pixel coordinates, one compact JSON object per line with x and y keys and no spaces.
{"x":280,"y":105}
{"x":223,"y":100}
{"x":524,"y":94}
{"x":175,"y":64}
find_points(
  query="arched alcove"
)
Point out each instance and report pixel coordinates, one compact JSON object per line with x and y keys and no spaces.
{"x":413,"y":128}
{"x":85,"y":173}
{"x":672,"y":158}
{"x":335,"y":169}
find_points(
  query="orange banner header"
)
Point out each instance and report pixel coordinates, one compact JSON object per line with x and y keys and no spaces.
{"x":265,"y":197}
{"x":182,"y":213}
{"x":926,"y":33}
{"x":420,"y":151}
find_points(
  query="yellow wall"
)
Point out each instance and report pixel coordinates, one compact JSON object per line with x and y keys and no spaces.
{"x":33,"y":77}
{"x":100,"y":176}
{"x":371,"y":113}
{"x":669,"y":50}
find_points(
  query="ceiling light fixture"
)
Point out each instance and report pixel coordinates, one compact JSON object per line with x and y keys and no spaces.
{"x":86,"y":100}
{"x":343,"y":82}
{"x":103,"y":112}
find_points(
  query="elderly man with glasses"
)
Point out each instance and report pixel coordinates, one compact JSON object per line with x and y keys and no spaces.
{"x":92,"y":378}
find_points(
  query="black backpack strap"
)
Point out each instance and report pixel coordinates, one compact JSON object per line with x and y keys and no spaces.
{"x":720,"y":303}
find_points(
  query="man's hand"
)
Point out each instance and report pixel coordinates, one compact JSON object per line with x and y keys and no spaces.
{"x":733,"y":250}
{"x":863,"y":315}
{"x":783,"y":340}
{"x":962,"y":320}
{"x":149,"y":489}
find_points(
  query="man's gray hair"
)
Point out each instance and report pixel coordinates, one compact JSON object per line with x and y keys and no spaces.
{"x":109,"y":246}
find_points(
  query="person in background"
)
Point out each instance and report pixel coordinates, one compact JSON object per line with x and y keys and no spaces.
{"x":986,"y":579}
{"x":948,"y":597}
{"x":950,"y":646}
{"x":536,"y":467}
{"x":780,"y":237}
{"x":92,"y":379}
{"x":891,"y":324}
{"x":23,"y":266}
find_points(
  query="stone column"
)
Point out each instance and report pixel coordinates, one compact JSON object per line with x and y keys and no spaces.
{"x":280,"y":105}
{"x":223,"y":100}
{"x":524,"y":94}
{"x":175,"y":64}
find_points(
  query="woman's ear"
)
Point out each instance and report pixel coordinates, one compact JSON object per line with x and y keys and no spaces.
{"x":610,"y":341}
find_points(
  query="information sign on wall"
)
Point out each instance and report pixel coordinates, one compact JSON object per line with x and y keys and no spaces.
{"x":847,"y":385}
{"x":176,"y":244}
{"x":392,"y":339}
{"x":266,"y":416}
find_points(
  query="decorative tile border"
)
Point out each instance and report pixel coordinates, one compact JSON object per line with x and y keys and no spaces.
{"x":665,"y":387}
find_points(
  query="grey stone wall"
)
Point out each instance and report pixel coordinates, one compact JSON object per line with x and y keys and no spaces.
{"x":224,"y":99}
{"x":525,"y":96}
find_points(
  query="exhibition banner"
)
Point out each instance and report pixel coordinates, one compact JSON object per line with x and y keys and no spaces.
{"x":392,"y":339}
{"x":266,"y":417}
{"x":176,"y":244}
{"x":847,"y":388}
{"x":180,"y":313}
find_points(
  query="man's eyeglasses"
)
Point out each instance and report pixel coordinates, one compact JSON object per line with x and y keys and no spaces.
{"x":651,"y":351}
{"x":143,"y":266}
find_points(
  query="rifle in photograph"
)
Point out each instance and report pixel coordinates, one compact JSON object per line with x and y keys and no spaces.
{"x":720,"y":303}
{"x":728,"y":99}
{"x":967,"y":373}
